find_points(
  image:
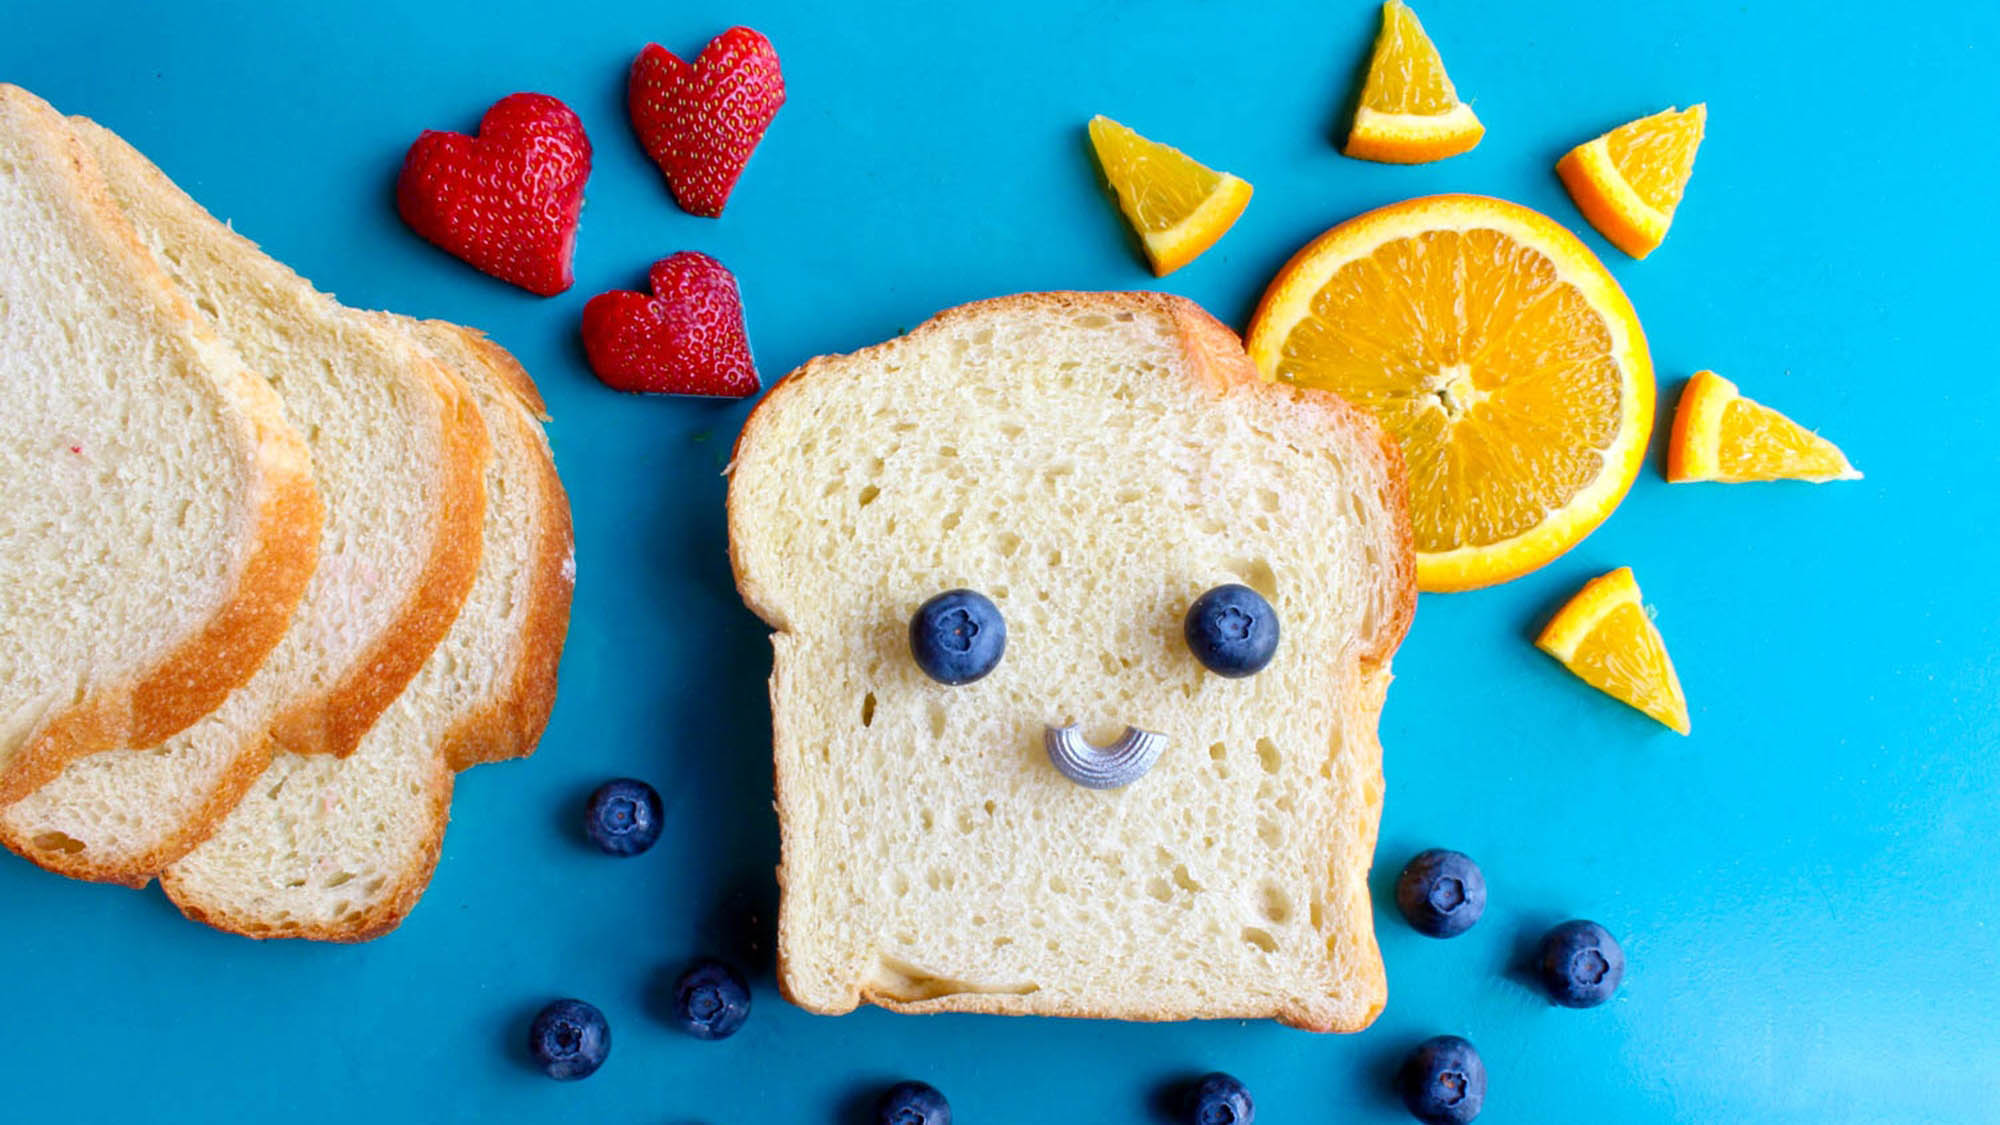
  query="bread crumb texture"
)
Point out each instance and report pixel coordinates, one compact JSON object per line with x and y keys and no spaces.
{"x":1092,"y":463}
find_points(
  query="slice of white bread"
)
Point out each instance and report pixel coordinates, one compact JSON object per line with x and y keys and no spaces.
{"x":158,"y":520}
{"x":341,"y":849}
{"x":1093,"y":463}
{"x":399,"y":450}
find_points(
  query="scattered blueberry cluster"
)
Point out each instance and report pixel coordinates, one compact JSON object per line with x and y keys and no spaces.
{"x":1579,"y":964}
{"x":958,"y":637}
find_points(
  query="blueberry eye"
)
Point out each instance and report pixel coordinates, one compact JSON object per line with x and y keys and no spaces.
{"x":957,"y":637}
{"x":1233,"y":631}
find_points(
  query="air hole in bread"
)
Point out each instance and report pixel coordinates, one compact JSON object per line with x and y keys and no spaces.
{"x":950,"y":521}
{"x":1256,"y":574}
{"x":1270,"y":833}
{"x":937,"y":716}
{"x":867,"y":495}
{"x":58,"y":842}
{"x":340,"y":880}
{"x":1007,"y":543}
{"x":1012,"y":429}
{"x":1260,"y":938}
{"x":966,"y":822}
{"x":1268,"y":756}
{"x":1218,"y":751}
{"x":1275,"y":903}
{"x":1160,"y":889}
{"x":868,"y":710}
{"x":1185,"y":881}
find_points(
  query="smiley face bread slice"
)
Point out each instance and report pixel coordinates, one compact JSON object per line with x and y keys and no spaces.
{"x":1090,"y":465}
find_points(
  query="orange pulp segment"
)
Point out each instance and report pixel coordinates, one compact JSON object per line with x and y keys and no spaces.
{"x":1721,"y":436}
{"x":1178,"y":206}
{"x":1495,"y":348}
{"x":1605,"y":637}
{"x":1629,"y":181}
{"x":1409,"y":112}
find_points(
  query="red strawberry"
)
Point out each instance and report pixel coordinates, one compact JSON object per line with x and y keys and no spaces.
{"x":685,"y":339}
{"x":700,"y":123}
{"x":505,"y":200}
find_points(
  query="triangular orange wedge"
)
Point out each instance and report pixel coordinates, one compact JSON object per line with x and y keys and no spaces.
{"x":1605,"y":637}
{"x":1721,"y":436}
{"x":1629,"y":181}
{"x":1410,"y":112}
{"x":1178,"y":206}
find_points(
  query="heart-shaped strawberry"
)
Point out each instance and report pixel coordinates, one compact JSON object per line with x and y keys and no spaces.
{"x":505,"y":200}
{"x":700,"y":123}
{"x":687,"y":338}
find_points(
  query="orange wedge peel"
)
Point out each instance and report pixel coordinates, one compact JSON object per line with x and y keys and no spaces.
{"x":1409,"y":112}
{"x":1629,"y":181}
{"x":1721,"y":436}
{"x":1605,"y":637}
{"x":1178,"y":206}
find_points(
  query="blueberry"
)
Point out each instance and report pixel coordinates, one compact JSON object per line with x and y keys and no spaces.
{"x":624,"y":817}
{"x":1443,"y":1082}
{"x":957,"y":637}
{"x":710,"y":1000}
{"x":1580,"y":964}
{"x":1219,"y":1099}
{"x":1233,"y":631}
{"x":1441,"y":892}
{"x":569,"y":1039}
{"x":912,"y":1103}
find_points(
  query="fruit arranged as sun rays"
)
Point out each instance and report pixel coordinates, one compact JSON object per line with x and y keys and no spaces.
{"x":1629,"y":181}
{"x":1409,"y":112}
{"x":1605,"y":637}
{"x":1178,"y":206}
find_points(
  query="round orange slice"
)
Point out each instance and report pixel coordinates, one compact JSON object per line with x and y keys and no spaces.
{"x":1496,"y":349}
{"x":1409,"y":112}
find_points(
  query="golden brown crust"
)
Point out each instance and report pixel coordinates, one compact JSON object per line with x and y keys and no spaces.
{"x":199,"y":673}
{"x":500,"y":363}
{"x":380,"y":918}
{"x":1218,"y":358}
{"x":513,"y":723}
{"x":335,"y":722}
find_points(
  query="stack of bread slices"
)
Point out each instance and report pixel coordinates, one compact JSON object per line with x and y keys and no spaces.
{"x":272,"y":570}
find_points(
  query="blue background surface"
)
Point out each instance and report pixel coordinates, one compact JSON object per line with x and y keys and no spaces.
{"x":1806,"y":888}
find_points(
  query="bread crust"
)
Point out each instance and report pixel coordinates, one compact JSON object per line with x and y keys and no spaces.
{"x":1216,"y":355}
{"x":279,"y":554}
{"x":381,"y":917}
{"x":335,"y":720}
{"x":512,"y":722}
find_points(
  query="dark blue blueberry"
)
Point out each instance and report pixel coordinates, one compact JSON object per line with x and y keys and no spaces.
{"x":624,"y":817}
{"x":912,"y":1103}
{"x":569,"y":1039}
{"x":957,"y":637}
{"x":1233,"y":631}
{"x":1441,"y":892}
{"x":1443,"y":1082}
{"x":1580,"y":964}
{"x":1219,"y":1099}
{"x":710,"y":1000}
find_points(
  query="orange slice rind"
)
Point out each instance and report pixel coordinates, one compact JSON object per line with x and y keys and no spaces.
{"x":1721,"y":436}
{"x":1629,"y":181}
{"x":1178,"y":206}
{"x":1410,"y":112}
{"x":1605,"y":636}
